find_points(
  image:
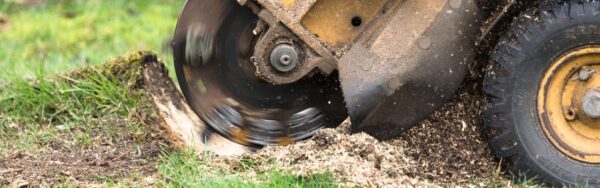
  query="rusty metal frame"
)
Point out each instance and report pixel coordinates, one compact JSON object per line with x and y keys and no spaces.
{"x":313,"y":27}
{"x":339,"y":22}
{"x":302,"y":18}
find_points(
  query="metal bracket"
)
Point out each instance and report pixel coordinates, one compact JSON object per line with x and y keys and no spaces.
{"x":308,"y":60}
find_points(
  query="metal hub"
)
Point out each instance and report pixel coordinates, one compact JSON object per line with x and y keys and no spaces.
{"x":591,"y":103}
{"x":569,"y":104}
{"x":284,"y":58}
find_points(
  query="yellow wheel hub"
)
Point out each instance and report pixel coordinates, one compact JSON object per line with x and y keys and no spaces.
{"x":569,"y":104}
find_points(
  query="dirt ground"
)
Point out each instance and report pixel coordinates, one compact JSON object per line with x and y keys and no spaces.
{"x":115,"y":157}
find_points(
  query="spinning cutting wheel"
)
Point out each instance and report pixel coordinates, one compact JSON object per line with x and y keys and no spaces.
{"x":213,"y":48}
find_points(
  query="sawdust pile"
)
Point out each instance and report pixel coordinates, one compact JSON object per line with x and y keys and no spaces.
{"x":447,"y":149}
{"x":356,"y":160}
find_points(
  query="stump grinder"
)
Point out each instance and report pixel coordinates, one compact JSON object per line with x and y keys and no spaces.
{"x":272,"y":72}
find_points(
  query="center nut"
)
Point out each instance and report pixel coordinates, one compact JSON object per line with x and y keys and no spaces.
{"x":284,"y":58}
{"x":591,"y":103}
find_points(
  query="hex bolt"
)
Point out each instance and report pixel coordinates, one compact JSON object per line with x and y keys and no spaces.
{"x":259,"y":28}
{"x":586,"y":72}
{"x":591,"y":103}
{"x":284,"y":58}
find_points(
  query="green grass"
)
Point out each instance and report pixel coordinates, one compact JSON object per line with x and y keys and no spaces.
{"x":70,"y":106}
{"x":185,"y":169}
{"x":63,"y":35}
{"x":67,"y":99}
{"x":498,"y":180}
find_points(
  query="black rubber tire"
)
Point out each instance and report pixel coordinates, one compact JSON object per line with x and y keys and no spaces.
{"x":523,"y":55}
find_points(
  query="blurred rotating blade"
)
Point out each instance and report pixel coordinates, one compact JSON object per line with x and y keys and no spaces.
{"x":212,"y":48}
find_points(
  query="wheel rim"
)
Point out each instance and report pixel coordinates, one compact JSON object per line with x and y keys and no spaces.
{"x":569,"y":101}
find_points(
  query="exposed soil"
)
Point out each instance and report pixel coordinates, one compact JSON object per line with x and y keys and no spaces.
{"x":111,"y":157}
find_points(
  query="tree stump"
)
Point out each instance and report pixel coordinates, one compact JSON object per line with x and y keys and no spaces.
{"x":184,"y":127}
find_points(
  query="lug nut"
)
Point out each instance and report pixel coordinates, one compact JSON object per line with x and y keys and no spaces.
{"x":570,"y":114}
{"x":586,"y":72}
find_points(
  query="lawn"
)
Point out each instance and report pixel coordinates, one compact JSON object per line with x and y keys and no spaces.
{"x":54,"y":36}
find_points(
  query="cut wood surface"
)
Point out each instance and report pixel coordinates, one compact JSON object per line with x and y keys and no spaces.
{"x":185,"y":128}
